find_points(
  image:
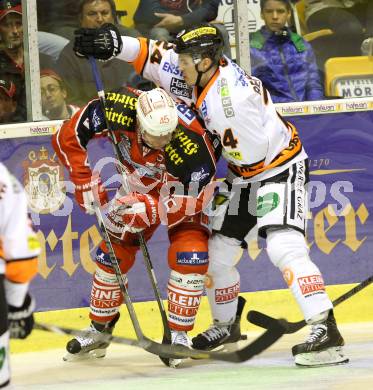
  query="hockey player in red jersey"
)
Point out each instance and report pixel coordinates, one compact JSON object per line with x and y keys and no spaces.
{"x":170,"y":160}
{"x":19,"y":249}
{"x":266,"y":163}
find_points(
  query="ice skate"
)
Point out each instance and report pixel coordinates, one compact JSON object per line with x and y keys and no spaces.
{"x":90,"y":346}
{"x":323,"y":346}
{"x":221,"y":337}
{"x":179,"y":338}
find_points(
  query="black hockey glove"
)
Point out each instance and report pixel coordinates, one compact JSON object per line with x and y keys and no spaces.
{"x":103,"y":43}
{"x":21,"y":319}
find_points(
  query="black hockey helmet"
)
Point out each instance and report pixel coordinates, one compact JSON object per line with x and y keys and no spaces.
{"x":200,"y":42}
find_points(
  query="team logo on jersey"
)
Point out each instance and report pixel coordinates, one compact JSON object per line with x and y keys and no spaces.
{"x":185,"y":113}
{"x":173,"y":69}
{"x":235,"y":155}
{"x":204,"y":111}
{"x":226,"y":99}
{"x":43,"y":177}
{"x":199,"y":176}
{"x":267,"y":203}
{"x":180,"y":88}
{"x":97,"y":119}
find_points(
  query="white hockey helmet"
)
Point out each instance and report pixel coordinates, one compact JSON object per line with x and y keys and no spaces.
{"x":156,"y":113}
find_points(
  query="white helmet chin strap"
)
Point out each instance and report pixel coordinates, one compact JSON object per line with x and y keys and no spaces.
{"x":200,"y":73}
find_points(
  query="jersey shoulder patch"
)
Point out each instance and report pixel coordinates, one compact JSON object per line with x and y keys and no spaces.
{"x":121,"y":109}
{"x":186,"y":114}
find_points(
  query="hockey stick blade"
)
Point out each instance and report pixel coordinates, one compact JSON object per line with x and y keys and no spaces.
{"x":261,"y":343}
{"x":267,"y":322}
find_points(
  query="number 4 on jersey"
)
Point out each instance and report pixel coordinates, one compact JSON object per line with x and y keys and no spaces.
{"x":229,"y":139}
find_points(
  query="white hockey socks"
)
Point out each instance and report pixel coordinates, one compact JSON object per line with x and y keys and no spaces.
{"x":223,"y":281}
{"x":184,"y":297}
{"x":288,"y":251}
{"x":106,"y":296}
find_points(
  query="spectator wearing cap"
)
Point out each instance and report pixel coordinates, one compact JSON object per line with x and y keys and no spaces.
{"x":76,"y":72}
{"x":8,"y":103}
{"x":11,"y":55}
{"x":282,"y":59}
{"x":11,"y":36}
{"x":53,"y":96}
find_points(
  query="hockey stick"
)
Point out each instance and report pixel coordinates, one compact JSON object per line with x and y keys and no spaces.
{"x":265,"y":321}
{"x":264,"y":341}
{"x":142,"y":242}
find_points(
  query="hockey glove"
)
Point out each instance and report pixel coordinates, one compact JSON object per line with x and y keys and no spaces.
{"x":21,"y":319}
{"x":89,"y":192}
{"x":103,"y":43}
{"x":134,"y":212}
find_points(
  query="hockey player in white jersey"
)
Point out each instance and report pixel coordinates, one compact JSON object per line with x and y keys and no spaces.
{"x":19,"y":249}
{"x":266,"y":184}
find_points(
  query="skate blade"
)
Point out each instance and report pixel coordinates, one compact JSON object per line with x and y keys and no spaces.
{"x":172,"y":363}
{"x":81,"y":356}
{"x":329,"y":357}
{"x":175,"y":363}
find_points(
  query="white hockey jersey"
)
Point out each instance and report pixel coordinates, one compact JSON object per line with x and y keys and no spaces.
{"x":19,"y":246}
{"x":257,"y":142}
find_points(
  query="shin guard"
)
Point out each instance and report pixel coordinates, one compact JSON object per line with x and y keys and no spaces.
{"x":223,"y":279}
{"x":184,"y":297}
{"x":288,"y":250}
{"x":106,"y":296}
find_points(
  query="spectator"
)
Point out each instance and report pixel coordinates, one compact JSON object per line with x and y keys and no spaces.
{"x":76,"y":72}
{"x":11,"y":53}
{"x":50,"y":45}
{"x":163,"y":19}
{"x":350,"y":20}
{"x":282,"y":59}
{"x":8,"y":102}
{"x":53,"y":96}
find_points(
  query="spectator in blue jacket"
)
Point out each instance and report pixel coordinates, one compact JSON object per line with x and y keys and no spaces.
{"x":282,"y":59}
